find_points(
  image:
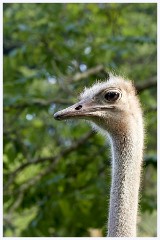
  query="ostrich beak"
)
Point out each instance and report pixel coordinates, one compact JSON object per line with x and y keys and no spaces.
{"x":78,"y":110}
{"x":83,"y":109}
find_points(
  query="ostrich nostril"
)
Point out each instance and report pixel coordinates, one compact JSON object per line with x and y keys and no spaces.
{"x":78,"y":107}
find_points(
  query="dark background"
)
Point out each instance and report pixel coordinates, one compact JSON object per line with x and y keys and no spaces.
{"x":57,"y":174}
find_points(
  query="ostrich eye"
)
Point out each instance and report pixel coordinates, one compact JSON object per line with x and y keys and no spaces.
{"x":112,"y":96}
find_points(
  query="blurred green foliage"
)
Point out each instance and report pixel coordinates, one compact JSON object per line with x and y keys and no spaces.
{"x":57,"y":174}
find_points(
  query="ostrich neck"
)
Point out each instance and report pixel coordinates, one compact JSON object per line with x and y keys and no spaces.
{"x":126,"y":168}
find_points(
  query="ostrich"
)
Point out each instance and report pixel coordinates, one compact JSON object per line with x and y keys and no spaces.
{"x":113,"y":108}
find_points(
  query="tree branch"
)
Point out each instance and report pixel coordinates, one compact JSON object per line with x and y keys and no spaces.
{"x":147,"y":84}
{"x":53,"y":159}
{"x":87,"y":73}
{"x":36,"y":102}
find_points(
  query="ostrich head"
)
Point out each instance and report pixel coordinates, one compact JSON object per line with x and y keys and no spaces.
{"x":110,"y":105}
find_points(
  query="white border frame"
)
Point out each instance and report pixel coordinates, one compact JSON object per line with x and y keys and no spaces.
{"x":1,"y":109}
